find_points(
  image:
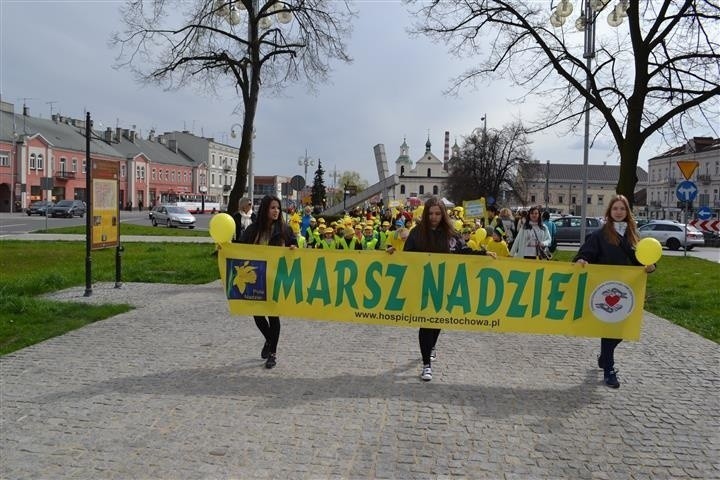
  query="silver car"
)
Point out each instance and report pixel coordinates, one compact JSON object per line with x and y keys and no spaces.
{"x":672,"y":234}
{"x":172,"y":216}
{"x":568,"y":228}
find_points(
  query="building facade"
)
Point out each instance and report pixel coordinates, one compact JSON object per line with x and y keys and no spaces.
{"x":425,"y":178}
{"x":558,"y":187}
{"x":665,"y":175}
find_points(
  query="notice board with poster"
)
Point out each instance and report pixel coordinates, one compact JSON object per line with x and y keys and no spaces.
{"x":105,"y":209}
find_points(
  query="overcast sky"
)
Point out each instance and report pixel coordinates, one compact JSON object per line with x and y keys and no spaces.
{"x":57,"y":51}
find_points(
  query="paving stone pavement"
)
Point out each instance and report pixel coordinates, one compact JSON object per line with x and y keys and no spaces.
{"x":175,"y":389}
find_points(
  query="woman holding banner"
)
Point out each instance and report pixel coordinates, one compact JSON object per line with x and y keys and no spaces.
{"x":531,"y":236}
{"x":434,"y":234}
{"x":613,"y":244}
{"x":269,"y":229}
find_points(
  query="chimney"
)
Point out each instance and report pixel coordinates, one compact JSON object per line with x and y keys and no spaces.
{"x":161,"y":139}
{"x":172,"y":144}
{"x":151,"y":135}
{"x":131,"y":136}
{"x":55,"y":117}
{"x":446,"y":151}
{"x":108,"y":135}
{"x":118,"y":134}
{"x":26,"y":111}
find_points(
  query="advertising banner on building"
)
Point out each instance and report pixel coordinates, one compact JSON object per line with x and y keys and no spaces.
{"x":457,"y":292}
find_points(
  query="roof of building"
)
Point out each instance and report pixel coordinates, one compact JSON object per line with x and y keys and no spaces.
{"x":694,"y":145}
{"x":155,"y":151}
{"x":576,"y":172}
{"x":65,"y":133}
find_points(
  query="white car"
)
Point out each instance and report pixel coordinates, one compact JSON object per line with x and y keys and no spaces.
{"x":672,"y":234}
{"x":173,"y":216}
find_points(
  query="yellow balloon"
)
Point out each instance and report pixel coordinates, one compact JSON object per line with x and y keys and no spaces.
{"x":480,"y":235}
{"x":458,"y":225}
{"x":473,"y":245}
{"x":222,"y":228}
{"x":648,"y":251}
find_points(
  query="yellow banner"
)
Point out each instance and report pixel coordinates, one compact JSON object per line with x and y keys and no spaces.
{"x":457,"y":292}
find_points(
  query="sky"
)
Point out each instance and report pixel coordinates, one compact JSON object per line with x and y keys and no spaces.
{"x":56,"y":55}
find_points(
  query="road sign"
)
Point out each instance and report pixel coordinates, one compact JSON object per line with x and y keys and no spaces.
{"x":687,"y":167}
{"x":706,"y":225}
{"x":297,"y":182}
{"x":686,"y":191}
{"x":704,"y":213}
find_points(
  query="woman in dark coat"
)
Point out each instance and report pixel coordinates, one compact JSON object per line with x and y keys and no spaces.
{"x":434,"y":234}
{"x":269,"y":229}
{"x":613,"y":244}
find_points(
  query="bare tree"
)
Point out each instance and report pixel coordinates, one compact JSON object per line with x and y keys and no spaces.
{"x":213,"y":43}
{"x":659,"y":75}
{"x":490,"y":162}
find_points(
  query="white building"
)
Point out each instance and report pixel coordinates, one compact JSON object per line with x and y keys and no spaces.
{"x":426,"y":178}
{"x":664,"y":176}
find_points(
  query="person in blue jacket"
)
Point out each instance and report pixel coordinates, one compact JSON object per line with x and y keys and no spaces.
{"x":269,"y":229}
{"x":613,"y":244}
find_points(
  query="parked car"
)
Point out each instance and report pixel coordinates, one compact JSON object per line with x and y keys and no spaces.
{"x":173,"y":216}
{"x":672,"y":234}
{"x":151,"y":212}
{"x":39,"y":208}
{"x":67,"y":208}
{"x":568,"y":228}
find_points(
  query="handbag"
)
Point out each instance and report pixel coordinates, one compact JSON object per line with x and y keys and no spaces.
{"x":543,"y":252}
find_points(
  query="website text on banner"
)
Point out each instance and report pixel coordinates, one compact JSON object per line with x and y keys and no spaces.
{"x":460,"y":292}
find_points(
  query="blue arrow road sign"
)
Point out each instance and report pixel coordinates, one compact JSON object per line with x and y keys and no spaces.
{"x":704,"y":213}
{"x":686,"y":191}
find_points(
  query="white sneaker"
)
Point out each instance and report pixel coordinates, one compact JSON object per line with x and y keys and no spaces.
{"x":426,"y":373}
{"x":433,"y":355}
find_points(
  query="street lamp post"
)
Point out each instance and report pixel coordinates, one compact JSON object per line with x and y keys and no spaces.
{"x":586,"y":23}
{"x":307,"y":162}
{"x":203,"y":191}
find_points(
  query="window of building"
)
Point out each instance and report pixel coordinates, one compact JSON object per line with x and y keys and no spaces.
{"x":213,"y":160}
{"x":561,"y":199}
{"x":143,"y":172}
{"x":402,"y":170}
{"x":63,"y":162}
{"x":185,"y":177}
{"x":402,"y":189}
{"x":40,"y":162}
{"x":172,"y":176}
{"x":84,"y":165}
{"x":74,"y":165}
{"x":573,"y":199}
{"x":154,"y":174}
{"x":122,"y":171}
{"x":33,"y":161}
{"x":137,"y":172}
{"x":532,"y":198}
{"x":429,"y":174}
{"x":422,"y":189}
{"x":167,"y":175}
{"x":4,"y":159}
{"x":212,"y":179}
{"x":435,"y":189}
{"x":588,"y":200}
{"x":600,"y":199}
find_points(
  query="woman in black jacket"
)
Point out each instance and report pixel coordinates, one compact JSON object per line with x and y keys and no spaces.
{"x":434,"y":234}
{"x":269,"y":229}
{"x":613,"y":244}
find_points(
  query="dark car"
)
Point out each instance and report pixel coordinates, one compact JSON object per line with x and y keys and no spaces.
{"x":39,"y":208}
{"x":568,"y":228}
{"x":67,"y":208}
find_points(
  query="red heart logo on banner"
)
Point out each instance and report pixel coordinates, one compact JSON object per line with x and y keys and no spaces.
{"x":612,"y":300}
